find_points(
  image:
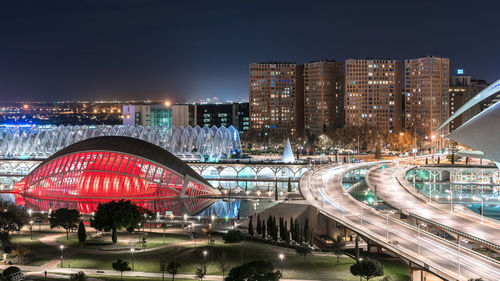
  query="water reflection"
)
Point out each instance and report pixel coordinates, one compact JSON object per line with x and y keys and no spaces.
{"x":177,"y":207}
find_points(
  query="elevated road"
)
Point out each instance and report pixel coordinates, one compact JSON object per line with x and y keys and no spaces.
{"x":390,"y":189}
{"x":323,"y":189}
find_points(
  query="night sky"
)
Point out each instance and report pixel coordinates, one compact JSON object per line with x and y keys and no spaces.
{"x":181,"y":50}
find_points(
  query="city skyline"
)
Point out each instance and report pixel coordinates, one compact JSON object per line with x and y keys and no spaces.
{"x":181,"y":51}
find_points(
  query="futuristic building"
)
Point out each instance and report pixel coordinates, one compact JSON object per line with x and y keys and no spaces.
{"x":102,"y":169}
{"x":187,"y":143}
{"x":481,"y":132}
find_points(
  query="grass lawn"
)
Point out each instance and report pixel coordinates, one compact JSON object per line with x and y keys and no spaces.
{"x":108,"y":278}
{"x":318,"y":266}
{"x":41,"y":253}
{"x":125,"y":240}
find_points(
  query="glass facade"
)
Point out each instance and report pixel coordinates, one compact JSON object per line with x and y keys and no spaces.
{"x":82,"y":180}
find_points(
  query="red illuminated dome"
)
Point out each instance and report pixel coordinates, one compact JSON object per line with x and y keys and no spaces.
{"x":102,"y":169}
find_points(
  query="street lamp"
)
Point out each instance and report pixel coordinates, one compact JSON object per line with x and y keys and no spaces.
{"x":205,"y":256}
{"x":31,"y":230}
{"x":185,"y":217}
{"x":30,"y":212}
{"x":281,"y":256}
{"x":62,"y":258}
{"x":132,"y":252}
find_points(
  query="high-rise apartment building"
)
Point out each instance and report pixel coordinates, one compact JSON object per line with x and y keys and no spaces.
{"x":373,"y":94}
{"x":323,"y":96}
{"x":460,"y":87}
{"x":426,"y":95}
{"x":276,"y":96}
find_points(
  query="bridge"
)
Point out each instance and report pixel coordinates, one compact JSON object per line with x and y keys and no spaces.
{"x":225,"y":175}
{"x":388,"y":181}
{"x":424,"y":251}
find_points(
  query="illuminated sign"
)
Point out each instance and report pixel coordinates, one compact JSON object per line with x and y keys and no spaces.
{"x":460,"y":71}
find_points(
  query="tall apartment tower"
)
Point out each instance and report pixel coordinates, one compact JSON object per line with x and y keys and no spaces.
{"x":373,"y":94}
{"x":426,"y":95}
{"x":323,"y":96}
{"x":460,"y":88}
{"x":276,"y":96}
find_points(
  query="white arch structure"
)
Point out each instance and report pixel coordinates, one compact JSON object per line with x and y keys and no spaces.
{"x":481,"y":132}
{"x":189,"y":142}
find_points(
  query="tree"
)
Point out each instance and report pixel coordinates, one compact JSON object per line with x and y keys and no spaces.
{"x":82,"y":233}
{"x":356,"y":248}
{"x":256,"y":270}
{"x":292,"y":228}
{"x":116,"y":215}
{"x":367,"y":269}
{"x":11,"y":273}
{"x":65,"y":218}
{"x":306,"y":230}
{"x":378,"y":151}
{"x":20,"y":255}
{"x":9,"y":221}
{"x":121,"y":265}
{"x":173,"y":268}
{"x":250,"y":226}
{"x":259,"y":225}
{"x":338,"y":245}
{"x":79,"y":276}
{"x":201,"y":271}
{"x":232,"y":237}
{"x":289,"y":185}
{"x":163,"y":268}
{"x":303,"y":250}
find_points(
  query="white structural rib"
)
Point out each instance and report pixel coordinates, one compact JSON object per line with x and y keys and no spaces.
{"x":487,"y":92}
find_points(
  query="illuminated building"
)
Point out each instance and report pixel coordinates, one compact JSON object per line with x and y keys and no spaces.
{"x":103,"y":169}
{"x":276,"y":97}
{"x":426,"y":91}
{"x":373,"y":94}
{"x":323,"y":96}
{"x":159,"y":114}
{"x":224,"y":114}
{"x":24,"y":142}
{"x":183,"y":115}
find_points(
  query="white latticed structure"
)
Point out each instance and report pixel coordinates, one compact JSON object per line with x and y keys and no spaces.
{"x":189,"y":142}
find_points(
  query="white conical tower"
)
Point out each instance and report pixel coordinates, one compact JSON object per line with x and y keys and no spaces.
{"x":288,"y":153}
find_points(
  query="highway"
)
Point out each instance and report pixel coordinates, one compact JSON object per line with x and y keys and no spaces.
{"x":323,"y":189}
{"x":391,"y":191}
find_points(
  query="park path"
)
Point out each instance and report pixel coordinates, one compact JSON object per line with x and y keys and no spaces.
{"x":51,"y":240}
{"x":57,"y":272}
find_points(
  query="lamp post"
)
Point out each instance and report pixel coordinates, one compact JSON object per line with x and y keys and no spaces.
{"x":164,"y":228}
{"x":281,"y":256}
{"x":62,"y":258}
{"x":205,"y":256}
{"x":132,"y":252}
{"x":31,"y":230}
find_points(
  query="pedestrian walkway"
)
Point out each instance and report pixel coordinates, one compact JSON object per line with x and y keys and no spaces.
{"x":57,"y":272}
